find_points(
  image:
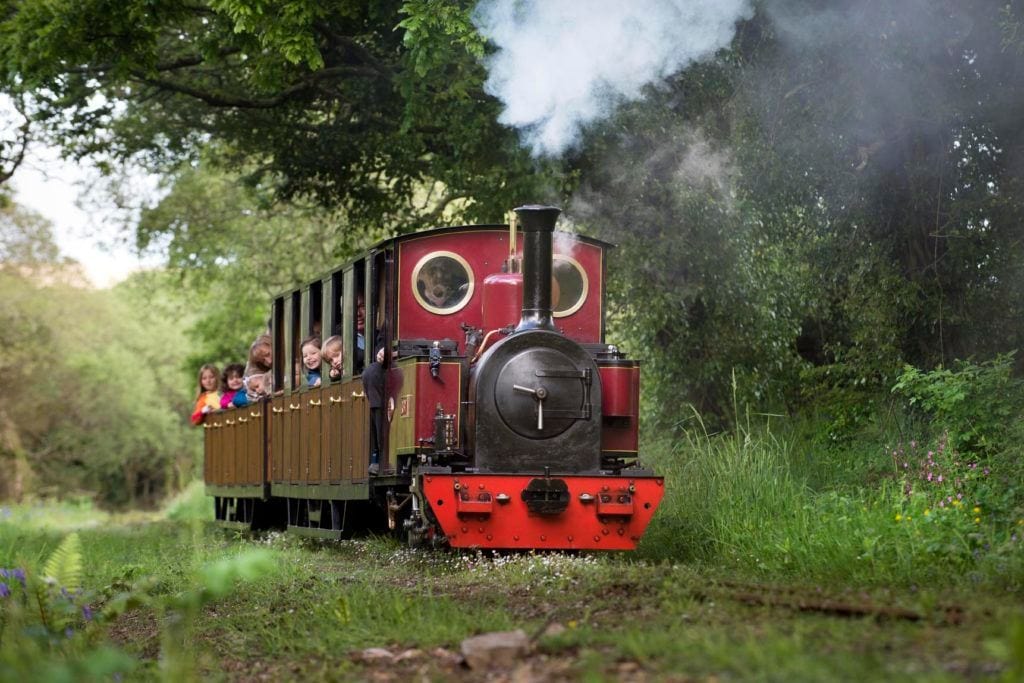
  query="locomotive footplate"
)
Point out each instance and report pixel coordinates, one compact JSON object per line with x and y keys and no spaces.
{"x":557,"y":512}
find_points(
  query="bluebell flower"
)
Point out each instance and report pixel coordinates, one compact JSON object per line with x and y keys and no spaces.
{"x":87,"y":612}
{"x":3,"y":573}
{"x":19,"y":574}
{"x":4,"y":590}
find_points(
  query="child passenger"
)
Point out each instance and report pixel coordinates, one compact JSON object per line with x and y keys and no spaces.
{"x":256,"y":387}
{"x":208,"y":394}
{"x":333,"y":353}
{"x":310,"y":349}
{"x":261,"y":356}
{"x":232,"y":381}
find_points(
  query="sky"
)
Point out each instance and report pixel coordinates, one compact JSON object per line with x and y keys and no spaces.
{"x":85,"y":221}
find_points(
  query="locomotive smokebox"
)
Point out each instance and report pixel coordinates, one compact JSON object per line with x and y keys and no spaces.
{"x":537,"y":223}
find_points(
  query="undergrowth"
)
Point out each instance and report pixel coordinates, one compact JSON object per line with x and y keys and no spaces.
{"x":888,"y":510}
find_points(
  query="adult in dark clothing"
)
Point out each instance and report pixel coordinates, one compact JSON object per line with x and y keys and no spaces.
{"x":373,"y":385}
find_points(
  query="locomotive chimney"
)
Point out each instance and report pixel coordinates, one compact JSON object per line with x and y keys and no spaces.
{"x":537,"y":223}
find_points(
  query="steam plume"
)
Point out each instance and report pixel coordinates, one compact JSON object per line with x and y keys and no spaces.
{"x":562,"y":64}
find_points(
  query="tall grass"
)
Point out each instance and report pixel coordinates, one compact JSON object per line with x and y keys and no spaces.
{"x":742,"y":501}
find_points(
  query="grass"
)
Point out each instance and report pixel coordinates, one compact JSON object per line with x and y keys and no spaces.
{"x":216,"y":603}
{"x":744,"y":502}
{"x":757,"y":567}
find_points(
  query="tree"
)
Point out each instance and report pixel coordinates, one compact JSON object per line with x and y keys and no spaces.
{"x":376,"y":107}
{"x":838,"y":193}
{"x":92,"y":397}
{"x":234,"y":247}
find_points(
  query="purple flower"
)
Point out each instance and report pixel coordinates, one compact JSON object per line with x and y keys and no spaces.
{"x":19,"y":574}
{"x":87,"y":612}
{"x":4,"y":590}
{"x":68,"y":632}
{"x":940,"y":478}
{"x":986,"y":471}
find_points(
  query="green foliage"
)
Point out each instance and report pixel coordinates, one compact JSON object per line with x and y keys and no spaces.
{"x":975,"y":402}
{"x":48,"y":630}
{"x":314,"y":606}
{"x":285,"y":27}
{"x":231,"y":248}
{"x":94,"y":396}
{"x":64,"y":568}
{"x":376,"y":107}
{"x":190,"y":504}
{"x":51,"y":629}
{"x":742,"y":501}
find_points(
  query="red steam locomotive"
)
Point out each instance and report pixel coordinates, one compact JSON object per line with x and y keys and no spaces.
{"x":504,"y":419}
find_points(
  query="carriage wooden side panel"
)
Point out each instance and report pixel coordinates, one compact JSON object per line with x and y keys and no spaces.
{"x":276,"y":411}
{"x":330,"y":435}
{"x":312,"y":424}
{"x":355,"y":421}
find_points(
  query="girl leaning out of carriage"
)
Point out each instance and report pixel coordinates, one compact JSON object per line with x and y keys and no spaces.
{"x":256,"y":387}
{"x":208,"y":393}
{"x":232,"y":384}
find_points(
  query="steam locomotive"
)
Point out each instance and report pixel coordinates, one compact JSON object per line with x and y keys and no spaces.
{"x":500,"y":425}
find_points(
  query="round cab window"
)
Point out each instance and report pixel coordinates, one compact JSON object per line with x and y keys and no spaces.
{"x":442,"y":282}
{"x":569,"y":286}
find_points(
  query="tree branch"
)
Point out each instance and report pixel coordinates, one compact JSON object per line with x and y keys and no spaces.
{"x":24,"y":138}
{"x":243,"y":102}
{"x":354,"y":48}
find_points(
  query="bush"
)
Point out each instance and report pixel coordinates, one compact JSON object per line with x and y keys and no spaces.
{"x":975,"y":404}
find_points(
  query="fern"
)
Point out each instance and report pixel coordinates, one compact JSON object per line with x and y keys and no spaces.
{"x":65,"y":564}
{"x":62,"y":571}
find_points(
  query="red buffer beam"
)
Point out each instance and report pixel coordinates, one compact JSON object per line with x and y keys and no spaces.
{"x":557,"y":513}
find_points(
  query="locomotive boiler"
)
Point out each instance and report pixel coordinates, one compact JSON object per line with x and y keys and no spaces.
{"x":505,"y":419}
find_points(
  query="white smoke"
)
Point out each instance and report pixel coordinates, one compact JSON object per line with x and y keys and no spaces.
{"x":562,"y":64}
